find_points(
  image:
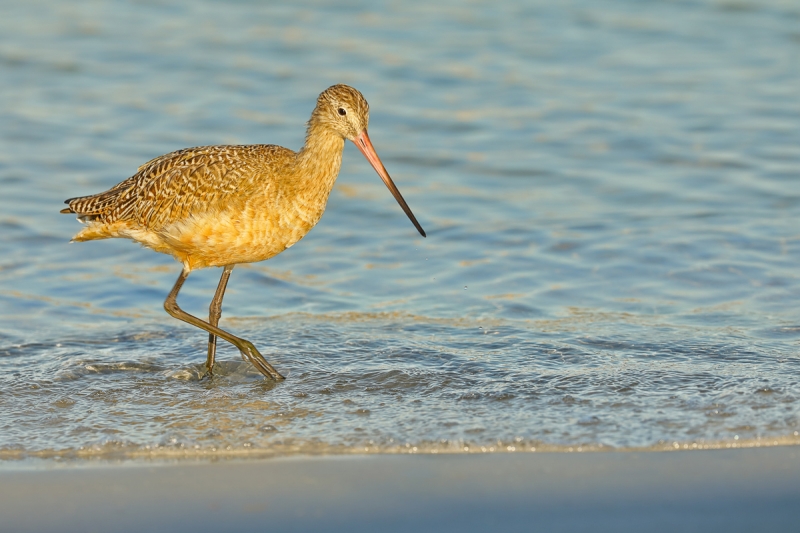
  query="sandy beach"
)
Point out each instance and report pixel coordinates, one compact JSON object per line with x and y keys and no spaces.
{"x":755,"y":489}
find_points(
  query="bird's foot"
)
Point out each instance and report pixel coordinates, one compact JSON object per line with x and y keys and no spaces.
{"x":254,"y":356}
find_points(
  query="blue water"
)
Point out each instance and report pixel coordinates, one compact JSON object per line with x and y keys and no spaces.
{"x":611,"y":194}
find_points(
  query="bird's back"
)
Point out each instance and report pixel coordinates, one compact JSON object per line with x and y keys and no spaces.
{"x":175,"y":196}
{"x":187,"y":182}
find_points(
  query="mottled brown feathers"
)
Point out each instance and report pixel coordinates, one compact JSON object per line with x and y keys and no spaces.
{"x":187,"y":181}
{"x":222,"y":205}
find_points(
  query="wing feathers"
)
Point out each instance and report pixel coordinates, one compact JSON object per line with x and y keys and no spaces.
{"x":178,"y":184}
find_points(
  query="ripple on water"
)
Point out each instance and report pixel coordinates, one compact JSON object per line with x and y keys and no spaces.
{"x":383,"y":381}
{"x":617,"y":192}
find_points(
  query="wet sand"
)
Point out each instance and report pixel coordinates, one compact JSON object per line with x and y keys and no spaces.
{"x":721,"y":490}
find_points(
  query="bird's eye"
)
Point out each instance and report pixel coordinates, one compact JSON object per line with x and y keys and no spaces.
{"x":342,"y":111}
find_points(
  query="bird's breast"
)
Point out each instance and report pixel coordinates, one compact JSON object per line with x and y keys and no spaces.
{"x":253,"y":232}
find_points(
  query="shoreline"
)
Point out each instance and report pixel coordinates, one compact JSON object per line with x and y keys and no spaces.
{"x":741,"y":489}
{"x":118,"y":453}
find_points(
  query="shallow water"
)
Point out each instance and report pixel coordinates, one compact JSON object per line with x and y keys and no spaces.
{"x":610,"y":193}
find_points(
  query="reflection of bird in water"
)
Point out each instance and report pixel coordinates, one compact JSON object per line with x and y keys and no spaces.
{"x":218,"y":206}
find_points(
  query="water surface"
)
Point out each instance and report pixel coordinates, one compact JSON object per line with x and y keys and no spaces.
{"x":610,"y":194}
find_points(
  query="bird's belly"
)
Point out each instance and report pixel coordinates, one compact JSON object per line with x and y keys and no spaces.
{"x":229,"y":238}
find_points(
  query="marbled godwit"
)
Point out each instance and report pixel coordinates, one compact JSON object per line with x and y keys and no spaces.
{"x":218,"y":206}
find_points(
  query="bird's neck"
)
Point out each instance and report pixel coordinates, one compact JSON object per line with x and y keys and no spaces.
{"x":319,"y":161}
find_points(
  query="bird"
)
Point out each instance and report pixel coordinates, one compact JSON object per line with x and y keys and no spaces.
{"x":224,"y":205}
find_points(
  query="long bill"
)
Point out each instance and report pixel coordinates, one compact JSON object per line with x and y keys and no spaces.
{"x":365,"y":145}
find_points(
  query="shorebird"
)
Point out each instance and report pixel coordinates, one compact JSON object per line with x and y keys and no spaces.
{"x":219,"y":206}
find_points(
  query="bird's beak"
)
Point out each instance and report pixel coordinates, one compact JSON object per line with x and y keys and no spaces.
{"x":365,"y":145}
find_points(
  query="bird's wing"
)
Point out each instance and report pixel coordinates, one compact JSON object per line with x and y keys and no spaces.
{"x":179,"y":184}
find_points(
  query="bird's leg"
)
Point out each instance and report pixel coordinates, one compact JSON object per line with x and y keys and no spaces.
{"x":249,"y":351}
{"x":214,"y":314}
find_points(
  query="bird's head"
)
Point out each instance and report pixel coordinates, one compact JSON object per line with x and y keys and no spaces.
{"x":344,"y":110}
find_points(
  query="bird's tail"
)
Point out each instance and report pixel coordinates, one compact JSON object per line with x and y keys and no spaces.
{"x":89,"y":208}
